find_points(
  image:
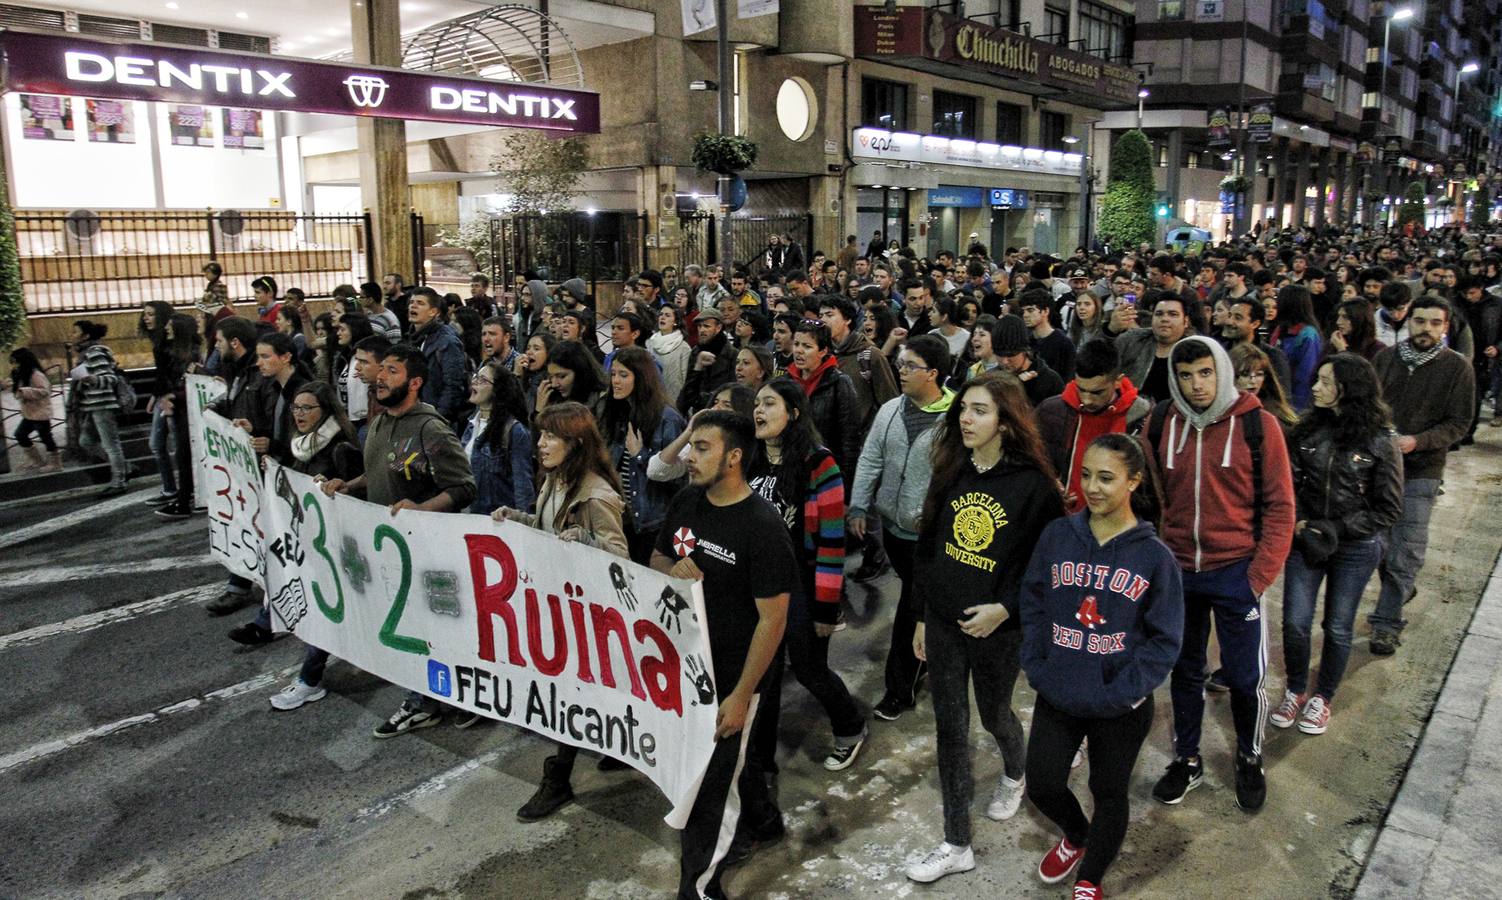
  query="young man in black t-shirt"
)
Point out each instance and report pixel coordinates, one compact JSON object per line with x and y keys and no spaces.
{"x":720,"y":533}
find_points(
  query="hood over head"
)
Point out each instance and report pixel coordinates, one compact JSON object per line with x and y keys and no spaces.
{"x":1225,"y":385}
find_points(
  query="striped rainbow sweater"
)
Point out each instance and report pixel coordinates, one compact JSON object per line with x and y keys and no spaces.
{"x":824,"y":534}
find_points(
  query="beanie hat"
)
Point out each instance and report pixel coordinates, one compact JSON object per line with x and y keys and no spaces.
{"x":1009,"y":336}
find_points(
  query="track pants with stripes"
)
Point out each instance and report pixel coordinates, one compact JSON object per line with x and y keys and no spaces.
{"x":1226,"y":594}
{"x":727,"y":792}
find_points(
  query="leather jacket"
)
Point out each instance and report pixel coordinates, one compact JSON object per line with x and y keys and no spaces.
{"x":1357,"y":493}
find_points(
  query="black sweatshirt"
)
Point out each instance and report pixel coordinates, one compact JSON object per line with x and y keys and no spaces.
{"x":978,"y":547}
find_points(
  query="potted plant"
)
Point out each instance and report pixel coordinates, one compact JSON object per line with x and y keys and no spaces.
{"x":1235,"y":184}
{"x":724,"y":154}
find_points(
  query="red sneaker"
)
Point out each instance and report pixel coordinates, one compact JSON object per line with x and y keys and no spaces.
{"x":1060,"y":861}
{"x":1084,"y":890}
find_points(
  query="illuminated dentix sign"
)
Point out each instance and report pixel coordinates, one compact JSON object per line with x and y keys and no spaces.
{"x":64,"y":64}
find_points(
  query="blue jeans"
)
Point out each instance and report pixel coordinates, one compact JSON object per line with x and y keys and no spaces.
{"x":1403,"y":554}
{"x":1348,"y":568}
{"x":163,"y":440}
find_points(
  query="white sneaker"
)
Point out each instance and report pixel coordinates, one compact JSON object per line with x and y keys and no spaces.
{"x":946,"y":860}
{"x":296,"y":694}
{"x":1006,"y":799}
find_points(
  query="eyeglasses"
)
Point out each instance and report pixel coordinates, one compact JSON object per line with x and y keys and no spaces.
{"x":913,"y":367}
{"x":299,"y":408}
{"x":478,"y":379}
{"x":1257,"y":375}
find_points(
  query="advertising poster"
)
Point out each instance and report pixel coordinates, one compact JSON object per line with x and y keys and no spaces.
{"x":46,"y":118}
{"x":191,"y":126}
{"x":1260,"y":125}
{"x":1219,"y":129}
{"x":111,"y":121}
{"x":242,"y":129}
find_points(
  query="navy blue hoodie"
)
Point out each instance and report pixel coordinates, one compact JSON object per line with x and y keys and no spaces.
{"x":1101,"y":623}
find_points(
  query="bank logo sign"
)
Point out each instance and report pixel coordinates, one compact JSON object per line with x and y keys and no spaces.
{"x":69,"y":65}
{"x":366,"y":91}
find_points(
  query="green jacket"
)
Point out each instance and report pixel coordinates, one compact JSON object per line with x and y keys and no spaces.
{"x":416,"y":457}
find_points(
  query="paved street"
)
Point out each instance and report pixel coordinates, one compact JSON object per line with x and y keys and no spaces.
{"x":139,"y":756}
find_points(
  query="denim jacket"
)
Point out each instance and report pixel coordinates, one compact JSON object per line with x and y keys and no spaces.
{"x":499,"y":480}
{"x":648,"y":500}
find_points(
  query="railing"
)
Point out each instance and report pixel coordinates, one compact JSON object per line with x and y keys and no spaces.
{"x":601,"y":246}
{"x":101,"y":262}
{"x":748,"y":234}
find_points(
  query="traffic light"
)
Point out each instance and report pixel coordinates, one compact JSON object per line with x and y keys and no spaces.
{"x":1163,"y":208}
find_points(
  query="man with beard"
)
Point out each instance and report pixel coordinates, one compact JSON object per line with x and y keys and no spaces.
{"x":395,"y":298}
{"x":713,"y":364}
{"x":496,"y":343}
{"x":1244,"y":318}
{"x":1429,"y":388}
{"x":413,"y":460}
{"x":721,"y":533}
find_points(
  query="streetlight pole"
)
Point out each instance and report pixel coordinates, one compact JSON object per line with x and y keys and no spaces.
{"x":1401,"y":15}
{"x":1084,"y":184}
{"x":1141,"y":98}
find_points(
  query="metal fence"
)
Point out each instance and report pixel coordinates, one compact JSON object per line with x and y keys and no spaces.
{"x":749,"y":235}
{"x":100,"y":262}
{"x":602,"y":246}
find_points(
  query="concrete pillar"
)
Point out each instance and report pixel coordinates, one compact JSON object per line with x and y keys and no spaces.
{"x":1174,"y":171}
{"x":1322,"y":161}
{"x":1340,"y":162}
{"x":382,"y":143}
{"x":1280,"y":182}
{"x":1300,"y":185}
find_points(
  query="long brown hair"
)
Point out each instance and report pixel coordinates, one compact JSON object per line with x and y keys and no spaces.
{"x":574,"y":423}
{"x":643,"y":408}
{"x":1243,"y":357}
{"x":1020,"y":442}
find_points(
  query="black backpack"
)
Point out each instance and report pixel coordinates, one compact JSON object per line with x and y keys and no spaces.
{"x":1251,"y":432}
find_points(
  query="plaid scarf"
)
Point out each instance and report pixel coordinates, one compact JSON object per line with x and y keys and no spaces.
{"x":1413,"y":358}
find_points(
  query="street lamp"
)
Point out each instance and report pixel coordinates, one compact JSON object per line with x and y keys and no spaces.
{"x":1401,"y":15}
{"x":1466,"y":69}
{"x":1141,"y":96}
{"x":1084,"y":184}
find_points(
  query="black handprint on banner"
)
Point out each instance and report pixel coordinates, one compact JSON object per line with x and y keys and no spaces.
{"x":284,"y":491}
{"x":671,"y":607}
{"x":698,"y":677}
{"x":622,"y":584}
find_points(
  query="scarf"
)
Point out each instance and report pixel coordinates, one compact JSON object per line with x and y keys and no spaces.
{"x":810,"y":383}
{"x":1413,"y":358}
{"x":663,"y":344}
{"x":307,"y":446}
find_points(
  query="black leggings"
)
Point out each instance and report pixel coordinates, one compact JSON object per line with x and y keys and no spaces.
{"x":1114,"y":744}
{"x":41,"y":427}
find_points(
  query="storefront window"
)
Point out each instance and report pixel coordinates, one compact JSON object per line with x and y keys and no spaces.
{"x":954,"y":115}
{"x":1009,"y":124}
{"x":883,"y":104}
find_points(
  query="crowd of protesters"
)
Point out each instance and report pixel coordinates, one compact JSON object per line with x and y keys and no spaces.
{"x":1073,"y":467}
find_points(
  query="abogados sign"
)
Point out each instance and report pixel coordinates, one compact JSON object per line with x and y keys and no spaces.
{"x":61,"y":64}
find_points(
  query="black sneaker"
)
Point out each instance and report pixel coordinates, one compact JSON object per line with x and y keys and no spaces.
{"x":114,"y":489}
{"x":843,"y":755}
{"x":871,"y":567}
{"x":1385,"y":643}
{"x":406,"y":718}
{"x":160,"y":499}
{"x":230,"y":601}
{"x":1216,"y":683}
{"x":748,"y":843}
{"x":173,"y":511}
{"x":469,"y":720}
{"x":1182,"y":777}
{"x":251,"y":635}
{"x":1251,"y":783}
{"x":550,"y":795}
{"x":890,"y":708}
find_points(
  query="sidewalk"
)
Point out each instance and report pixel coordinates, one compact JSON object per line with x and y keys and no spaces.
{"x":1441,"y":837}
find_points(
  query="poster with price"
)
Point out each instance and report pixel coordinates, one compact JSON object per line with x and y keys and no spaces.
{"x":191,"y":126}
{"x":242,"y":129}
{"x":46,"y":118}
{"x":111,"y":121}
{"x":571,"y":642}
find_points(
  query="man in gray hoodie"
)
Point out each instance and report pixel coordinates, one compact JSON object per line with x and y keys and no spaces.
{"x":891,"y":479}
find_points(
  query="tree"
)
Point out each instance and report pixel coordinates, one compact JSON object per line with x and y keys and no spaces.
{"x":540,"y":173}
{"x":1127,"y":211}
{"x":1412,"y":207}
{"x":12,"y":303}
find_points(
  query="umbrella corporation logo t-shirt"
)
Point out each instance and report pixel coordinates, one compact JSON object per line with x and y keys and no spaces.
{"x":977,"y":519}
{"x":745,"y":553}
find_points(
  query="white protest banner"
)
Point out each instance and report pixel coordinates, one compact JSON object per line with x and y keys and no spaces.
{"x":232,"y":480}
{"x":202,"y":392}
{"x":573,"y":643}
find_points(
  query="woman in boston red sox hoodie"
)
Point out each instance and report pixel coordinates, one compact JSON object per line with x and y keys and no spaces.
{"x":1102,"y":611}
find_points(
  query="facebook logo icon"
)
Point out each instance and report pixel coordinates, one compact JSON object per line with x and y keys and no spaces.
{"x":440,"y":682}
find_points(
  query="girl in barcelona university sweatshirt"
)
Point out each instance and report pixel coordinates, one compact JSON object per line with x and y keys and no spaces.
{"x":1102,"y":620}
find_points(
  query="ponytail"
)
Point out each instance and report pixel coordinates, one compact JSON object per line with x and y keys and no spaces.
{"x":1147,"y":500}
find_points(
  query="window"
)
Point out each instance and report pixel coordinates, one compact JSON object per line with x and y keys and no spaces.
{"x":883,"y":104}
{"x":954,"y":115}
{"x":1055,"y":25}
{"x":1104,"y":31}
{"x":1052,"y":127}
{"x":1170,"y":10}
{"x":1009,"y":124}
